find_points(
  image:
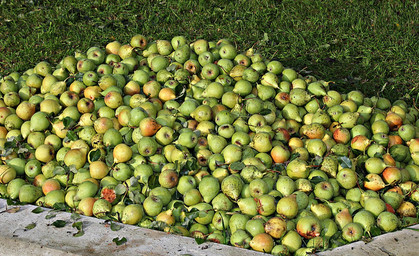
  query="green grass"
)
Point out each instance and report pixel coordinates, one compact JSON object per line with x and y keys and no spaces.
{"x":363,"y":45}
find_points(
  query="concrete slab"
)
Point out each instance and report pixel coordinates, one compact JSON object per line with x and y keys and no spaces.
{"x":45,"y":239}
{"x":399,"y":243}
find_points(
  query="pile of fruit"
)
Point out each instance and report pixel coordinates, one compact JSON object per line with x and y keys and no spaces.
{"x":201,"y":140}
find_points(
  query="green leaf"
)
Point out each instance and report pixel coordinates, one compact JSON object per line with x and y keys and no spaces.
{"x":115,"y":227}
{"x":12,"y":202}
{"x":153,"y":181}
{"x":59,"y":206}
{"x":197,"y":132}
{"x":72,"y":168}
{"x":375,"y":231}
{"x":133,"y":181}
{"x":94,"y":155}
{"x":135,"y":196}
{"x":294,"y":156}
{"x":59,"y":223}
{"x":69,"y":80}
{"x":37,"y":210}
{"x":176,"y":212}
{"x":171,"y":68}
{"x":190,"y":216}
{"x":71,"y":135}
{"x":220,"y":164}
{"x":317,"y":179}
{"x":79,"y":233}
{"x":50,"y":215}
{"x":59,"y":170}
{"x":79,"y":226}
{"x":158,"y":225}
{"x":109,"y":159}
{"x":237,"y":166}
{"x":124,"y":132}
{"x":120,"y":189}
{"x":345,"y":162}
{"x":68,"y":122}
{"x":317,"y":160}
{"x":265,"y":112}
{"x":75,"y":216}
{"x":79,"y":76}
{"x":199,"y":240}
{"x":118,"y":241}
{"x":30,"y":226}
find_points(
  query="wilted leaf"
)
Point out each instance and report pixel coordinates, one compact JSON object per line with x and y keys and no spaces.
{"x":22,"y":150}
{"x":13,"y":210}
{"x":118,"y":241}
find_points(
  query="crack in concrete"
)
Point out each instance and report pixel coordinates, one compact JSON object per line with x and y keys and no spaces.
{"x":385,"y":251}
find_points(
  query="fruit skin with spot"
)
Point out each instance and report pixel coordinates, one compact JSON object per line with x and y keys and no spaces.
{"x":308,"y":227}
{"x":352,"y":232}
{"x":262,"y":242}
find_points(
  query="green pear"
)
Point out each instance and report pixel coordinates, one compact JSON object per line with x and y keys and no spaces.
{"x":209,"y":187}
{"x":216,"y":143}
{"x":299,"y":97}
{"x":39,"y":122}
{"x":232,"y":186}
{"x":232,"y":153}
{"x":270,"y":79}
{"x":261,"y":142}
{"x":290,"y":112}
{"x":221,"y":203}
{"x":316,"y":88}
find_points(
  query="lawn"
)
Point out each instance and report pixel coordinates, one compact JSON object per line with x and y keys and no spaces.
{"x":367,"y":45}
